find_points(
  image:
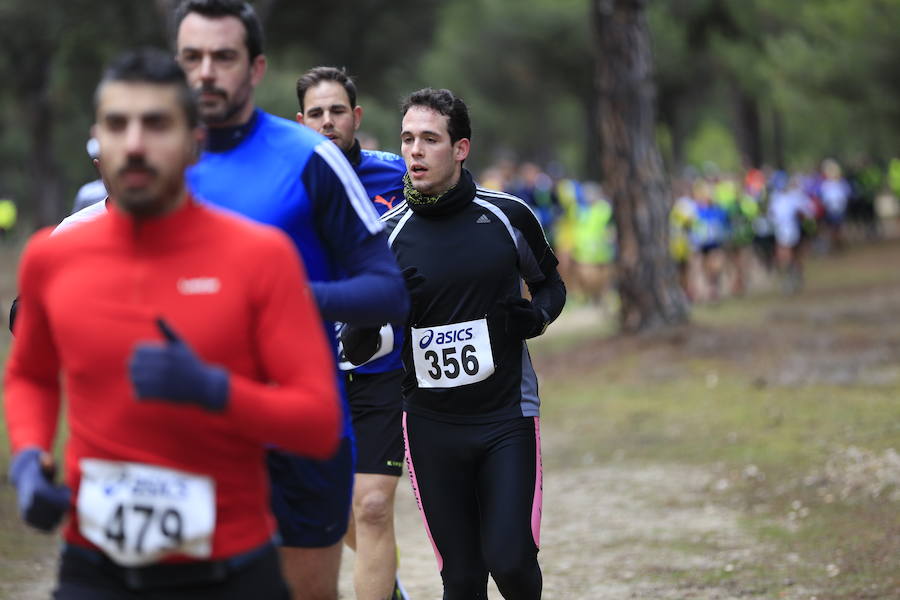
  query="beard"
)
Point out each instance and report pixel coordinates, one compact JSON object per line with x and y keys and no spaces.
{"x":157,"y":197}
{"x":223,"y":110}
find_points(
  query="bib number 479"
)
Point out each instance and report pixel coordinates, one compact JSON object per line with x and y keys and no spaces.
{"x":129,"y":525}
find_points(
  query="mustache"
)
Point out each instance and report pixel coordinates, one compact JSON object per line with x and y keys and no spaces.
{"x":210,"y":89}
{"x":136,"y":164}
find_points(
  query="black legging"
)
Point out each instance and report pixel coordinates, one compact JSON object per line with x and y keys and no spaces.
{"x":478,"y":487}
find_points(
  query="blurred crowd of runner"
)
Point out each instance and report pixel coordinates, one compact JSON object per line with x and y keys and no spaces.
{"x":728,"y":231}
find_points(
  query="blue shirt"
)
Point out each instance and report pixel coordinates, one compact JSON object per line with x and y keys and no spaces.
{"x":281,"y":173}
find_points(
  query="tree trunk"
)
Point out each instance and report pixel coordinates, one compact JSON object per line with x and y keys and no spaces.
{"x":43,"y":167}
{"x":778,"y":139}
{"x":651,"y":297}
{"x":746,"y":110}
{"x":592,"y":161}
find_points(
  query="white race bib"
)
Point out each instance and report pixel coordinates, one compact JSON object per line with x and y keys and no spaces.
{"x":387,"y":344}
{"x":452,"y":355}
{"x":138,"y":514}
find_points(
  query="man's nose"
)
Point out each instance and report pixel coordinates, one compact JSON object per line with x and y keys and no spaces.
{"x":207,"y":72}
{"x":134,"y":139}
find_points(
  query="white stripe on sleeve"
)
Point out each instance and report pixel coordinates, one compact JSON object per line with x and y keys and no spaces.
{"x":355,"y":191}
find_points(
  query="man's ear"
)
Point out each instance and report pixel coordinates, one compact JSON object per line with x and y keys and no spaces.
{"x":461,"y":149}
{"x":357,"y":117}
{"x":258,"y":69}
{"x":300,"y":118}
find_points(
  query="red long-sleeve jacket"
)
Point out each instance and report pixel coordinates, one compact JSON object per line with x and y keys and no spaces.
{"x":236,"y":293}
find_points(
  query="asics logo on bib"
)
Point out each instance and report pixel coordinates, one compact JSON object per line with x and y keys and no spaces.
{"x":199,"y":285}
{"x":445,"y":337}
{"x":147,"y":488}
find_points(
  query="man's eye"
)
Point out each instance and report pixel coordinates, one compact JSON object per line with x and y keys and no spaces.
{"x":225,"y":58}
{"x":156,"y":123}
{"x":115,"y":124}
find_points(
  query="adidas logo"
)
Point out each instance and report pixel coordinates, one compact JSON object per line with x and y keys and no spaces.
{"x":483,"y":219}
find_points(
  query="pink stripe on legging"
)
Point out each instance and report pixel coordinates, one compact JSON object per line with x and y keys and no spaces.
{"x":538,"y":500}
{"x":415,"y":488}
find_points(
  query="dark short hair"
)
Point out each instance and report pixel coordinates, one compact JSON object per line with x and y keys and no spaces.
{"x":317,"y":75}
{"x":214,"y":9}
{"x":446,"y":103}
{"x":151,"y":65}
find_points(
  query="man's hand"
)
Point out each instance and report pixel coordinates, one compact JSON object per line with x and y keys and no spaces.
{"x":172,"y":372}
{"x":42,"y":503}
{"x":521,"y":318}
{"x":359,"y":343}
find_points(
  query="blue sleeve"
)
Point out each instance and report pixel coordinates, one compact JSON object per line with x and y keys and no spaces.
{"x":371,"y":291}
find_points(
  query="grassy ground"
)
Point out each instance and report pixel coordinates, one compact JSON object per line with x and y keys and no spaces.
{"x":790,"y":403}
{"x":793,"y":402}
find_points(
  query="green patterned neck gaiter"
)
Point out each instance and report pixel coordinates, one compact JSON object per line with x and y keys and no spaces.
{"x":416,"y":198}
{"x":449,"y":202}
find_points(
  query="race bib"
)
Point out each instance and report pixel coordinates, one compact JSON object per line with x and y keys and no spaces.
{"x":138,"y":514}
{"x":452,"y":355}
{"x":387,"y":344}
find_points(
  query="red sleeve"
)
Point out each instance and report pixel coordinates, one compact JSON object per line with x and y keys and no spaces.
{"x":300,"y":410}
{"x":31,"y":389}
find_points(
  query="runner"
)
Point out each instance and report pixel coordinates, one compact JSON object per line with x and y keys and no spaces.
{"x":791,"y":211}
{"x":471,"y":410}
{"x":187,"y":341}
{"x":710,"y":235}
{"x":327,"y":98}
{"x":281,"y":173}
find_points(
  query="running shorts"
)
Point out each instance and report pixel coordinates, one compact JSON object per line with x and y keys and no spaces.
{"x":375,"y":406}
{"x":311,"y":499}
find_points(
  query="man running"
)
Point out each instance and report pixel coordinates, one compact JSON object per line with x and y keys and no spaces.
{"x":471,"y":409}
{"x":188,"y":341}
{"x":327,"y":98}
{"x":278,"y":172}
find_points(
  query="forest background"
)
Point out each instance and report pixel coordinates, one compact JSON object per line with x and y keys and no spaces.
{"x":740,"y":83}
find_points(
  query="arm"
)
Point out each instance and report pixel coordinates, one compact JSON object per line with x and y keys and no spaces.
{"x":32,"y":401}
{"x":537,"y":265}
{"x":372,"y":290}
{"x":31,"y":386}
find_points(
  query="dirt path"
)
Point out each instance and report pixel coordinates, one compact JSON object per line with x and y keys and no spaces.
{"x":606,"y":527}
{"x":609,"y":530}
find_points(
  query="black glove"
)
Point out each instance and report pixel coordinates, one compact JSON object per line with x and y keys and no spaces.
{"x":521,"y":318}
{"x":173,"y":372}
{"x":42,"y":503}
{"x":360,"y":343}
{"x":414,"y":282}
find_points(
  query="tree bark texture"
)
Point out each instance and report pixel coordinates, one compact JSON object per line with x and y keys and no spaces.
{"x":749,"y":128}
{"x":651,"y":297}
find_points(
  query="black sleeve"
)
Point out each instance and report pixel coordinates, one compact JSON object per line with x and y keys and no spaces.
{"x":537,"y":264}
{"x":12,"y":313}
{"x":549,"y":295}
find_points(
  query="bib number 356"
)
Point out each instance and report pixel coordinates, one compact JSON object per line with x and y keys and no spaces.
{"x":140,"y":513}
{"x":452,"y":355}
